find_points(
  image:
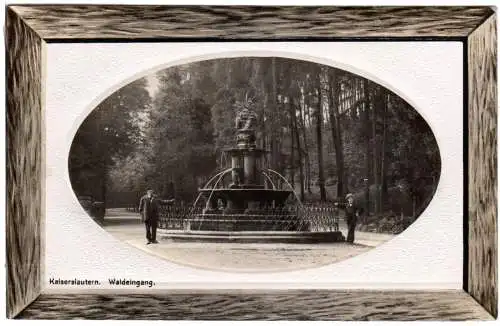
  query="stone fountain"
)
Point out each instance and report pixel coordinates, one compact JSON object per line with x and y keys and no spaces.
{"x":248,"y":209}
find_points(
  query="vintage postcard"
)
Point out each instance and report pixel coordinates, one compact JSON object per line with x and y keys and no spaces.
{"x":194,"y":174}
{"x":278,"y":160}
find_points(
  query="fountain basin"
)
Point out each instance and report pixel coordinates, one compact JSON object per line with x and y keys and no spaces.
{"x":229,"y":223}
{"x":253,"y":236}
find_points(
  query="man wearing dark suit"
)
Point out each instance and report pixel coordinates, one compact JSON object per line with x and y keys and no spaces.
{"x":351,"y":214}
{"x":149,"y":207}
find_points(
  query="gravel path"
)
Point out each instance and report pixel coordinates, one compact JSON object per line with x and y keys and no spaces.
{"x":241,"y":257}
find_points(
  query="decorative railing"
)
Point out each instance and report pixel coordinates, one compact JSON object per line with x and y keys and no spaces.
{"x":174,"y":217}
{"x":320,"y":218}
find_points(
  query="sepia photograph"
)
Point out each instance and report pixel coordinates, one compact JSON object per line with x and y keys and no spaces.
{"x":248,"y":162}
{"x":254,"y":163}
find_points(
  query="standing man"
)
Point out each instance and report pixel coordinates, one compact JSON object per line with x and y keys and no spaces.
{"x":149,"y":207}
{"x":351,"y":214}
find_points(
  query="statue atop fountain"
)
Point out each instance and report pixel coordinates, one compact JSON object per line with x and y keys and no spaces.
{"x":245,"y":122}
{"x":245,"y":119}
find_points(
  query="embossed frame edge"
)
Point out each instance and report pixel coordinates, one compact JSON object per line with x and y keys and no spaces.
{"x":27,"y":31}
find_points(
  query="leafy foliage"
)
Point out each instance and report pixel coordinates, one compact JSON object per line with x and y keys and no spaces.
{"x":175,"y":141}
{"x":110,"y":133}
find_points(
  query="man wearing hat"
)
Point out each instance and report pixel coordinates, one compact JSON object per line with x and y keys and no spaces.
{"x":351,"y":215}
{"x":149,"y":207}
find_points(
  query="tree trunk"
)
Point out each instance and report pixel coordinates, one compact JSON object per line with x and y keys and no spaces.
{"x":337,"y":136}
{"x":274,"y":122}
{"x":103,"y":183}
{"x":357,"y":96}
{"x":319,"y":142}
{"x":383,"y":167}
{"x":263,"y":116}
{"x":376,"y":175}
{"x":308,"y":165}
{"x":366,"y":128}
{"x":292,"y":142}
{"x":299,"y":153}
{"x":279,"y":150}
{"x":306,"y":154}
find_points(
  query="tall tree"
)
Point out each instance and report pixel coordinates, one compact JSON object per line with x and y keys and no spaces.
{"x":299,"y":153}
{"x":182,"y":133}
{"x":383,"y":164}
{"x":366,"y":128}
{"x":375,"y":148}
{"x":109,"y":134}
{"x":319,"y":136}
{"x":334,"y":90}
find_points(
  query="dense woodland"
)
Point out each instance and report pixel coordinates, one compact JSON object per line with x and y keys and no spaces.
{"x":328,"y":131}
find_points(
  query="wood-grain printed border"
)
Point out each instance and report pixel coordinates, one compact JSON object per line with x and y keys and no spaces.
{"x":53,"y":22}
{"x":28,"y":26}
{"x":262,"y":305}
{"x":23,"y":170}
{"x":482,"y":156}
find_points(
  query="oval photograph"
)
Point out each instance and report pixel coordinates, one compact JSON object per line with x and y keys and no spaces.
{"x":254,"y":164}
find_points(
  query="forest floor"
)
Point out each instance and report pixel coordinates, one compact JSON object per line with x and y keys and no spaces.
{"x":126,"y":226}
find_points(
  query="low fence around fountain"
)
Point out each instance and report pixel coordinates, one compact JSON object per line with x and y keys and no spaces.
{"x":321,"y":218}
